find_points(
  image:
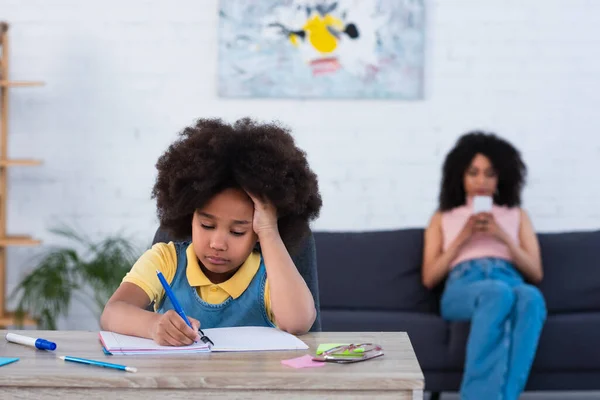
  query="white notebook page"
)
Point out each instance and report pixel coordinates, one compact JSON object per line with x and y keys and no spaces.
{"x":246,"y":338}
{"x":253,"y":338}
{"x":124,"y":344}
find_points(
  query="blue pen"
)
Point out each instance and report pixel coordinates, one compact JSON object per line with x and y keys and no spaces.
{"x":178,"y":308}
{"x":173,"y":299}
{"x":98,"y":363}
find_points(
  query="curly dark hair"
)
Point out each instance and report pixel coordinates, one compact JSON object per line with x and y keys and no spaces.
{"x":505,"y":158}
{"x":212,"y":156}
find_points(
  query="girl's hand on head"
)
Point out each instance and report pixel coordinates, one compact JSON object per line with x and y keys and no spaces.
{"x":171,"y":330}
{"x":265,"y":216}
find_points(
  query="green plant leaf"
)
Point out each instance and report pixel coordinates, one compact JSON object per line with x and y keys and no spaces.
{"x":112,"y":259}
{"x":46,"y":291}
{"x":66,"y":272}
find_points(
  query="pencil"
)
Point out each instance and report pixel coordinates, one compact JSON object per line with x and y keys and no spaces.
{"x":98,"y":363}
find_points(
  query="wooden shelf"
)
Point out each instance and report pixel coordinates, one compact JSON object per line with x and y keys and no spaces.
{"x":6,"y":161}
{"x":21,"y":83}
{"x":8,"y":319}
{"x":24,"y":162}
{"x":19,"y":241}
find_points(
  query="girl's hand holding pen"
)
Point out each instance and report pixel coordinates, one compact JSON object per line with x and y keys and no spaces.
{"x":169,"y":329}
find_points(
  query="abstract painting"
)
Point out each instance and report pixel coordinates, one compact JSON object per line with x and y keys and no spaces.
{"x":321,"y":49}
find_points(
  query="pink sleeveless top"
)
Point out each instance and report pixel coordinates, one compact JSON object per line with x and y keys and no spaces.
{"x":481,"y":245}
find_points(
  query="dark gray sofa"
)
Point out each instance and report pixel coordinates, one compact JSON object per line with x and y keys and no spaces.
{"x":371,"y":281}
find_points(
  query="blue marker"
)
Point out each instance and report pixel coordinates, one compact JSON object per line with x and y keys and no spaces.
{"x":41,"y":344}
{"x":98,"y":363}
{"x":178,"y":308}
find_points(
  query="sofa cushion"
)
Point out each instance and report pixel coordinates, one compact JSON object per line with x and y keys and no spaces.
{"x":571,"y":271}
{"x":373,"y":270}
{"x":428,"y":333}
{"x":568,"y":342}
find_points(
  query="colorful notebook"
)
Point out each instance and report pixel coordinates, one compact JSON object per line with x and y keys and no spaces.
{"x":245,"y":338}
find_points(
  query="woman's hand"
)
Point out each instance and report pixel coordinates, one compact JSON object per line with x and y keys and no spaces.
{"x":265,"y":216}
{"x":486,"y":223}
{"x":468,"y":230}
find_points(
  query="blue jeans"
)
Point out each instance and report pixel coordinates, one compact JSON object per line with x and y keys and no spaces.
{"x":507,"y":316}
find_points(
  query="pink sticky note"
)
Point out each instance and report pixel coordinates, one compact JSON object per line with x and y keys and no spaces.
{"x":302,"y":362}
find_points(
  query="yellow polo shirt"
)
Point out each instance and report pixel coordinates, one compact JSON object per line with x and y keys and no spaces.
{"x":163,"y":257}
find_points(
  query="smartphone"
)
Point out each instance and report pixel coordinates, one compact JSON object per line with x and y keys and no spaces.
{"x":482,"y":204}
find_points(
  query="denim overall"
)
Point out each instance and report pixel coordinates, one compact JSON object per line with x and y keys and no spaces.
{"x":247,"y":310}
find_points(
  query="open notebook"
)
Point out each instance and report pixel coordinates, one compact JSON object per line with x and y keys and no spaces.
{"x":244,"y":338}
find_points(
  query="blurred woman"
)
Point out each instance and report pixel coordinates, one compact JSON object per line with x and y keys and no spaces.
{"x":489,"y":258}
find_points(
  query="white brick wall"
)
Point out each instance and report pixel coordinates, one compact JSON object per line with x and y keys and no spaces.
{"x":124,"y":76}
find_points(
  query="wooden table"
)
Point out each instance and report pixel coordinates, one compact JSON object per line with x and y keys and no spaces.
{"x":42,"y":375}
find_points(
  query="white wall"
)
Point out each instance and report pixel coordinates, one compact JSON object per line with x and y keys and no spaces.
{"x":124,"y":76}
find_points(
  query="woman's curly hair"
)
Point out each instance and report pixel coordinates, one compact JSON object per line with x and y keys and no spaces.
{"x":262,"y":159}
{"x":505,"y":159}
